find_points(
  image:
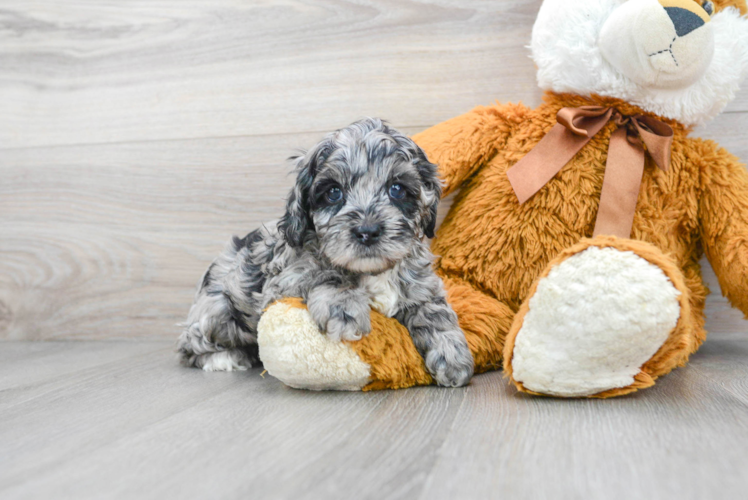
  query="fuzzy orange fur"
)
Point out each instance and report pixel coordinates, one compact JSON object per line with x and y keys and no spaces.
{"x":394,"y":360}
{"x":722,"y":4}
{"x":738,"y":4}
{"x":500,"y":248}
{"x":388,"y":350}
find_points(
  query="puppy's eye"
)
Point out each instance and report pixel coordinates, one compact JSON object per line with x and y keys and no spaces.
{"x":334,"y":195}
{"x":708,"y":7}
{"x":397,"y":192}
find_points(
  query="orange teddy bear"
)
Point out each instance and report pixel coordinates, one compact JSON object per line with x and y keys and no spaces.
{"x":571,"y":252}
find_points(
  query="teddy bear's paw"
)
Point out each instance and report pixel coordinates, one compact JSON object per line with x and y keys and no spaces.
{"x":594,"y":320}
{"x":294,"y":351}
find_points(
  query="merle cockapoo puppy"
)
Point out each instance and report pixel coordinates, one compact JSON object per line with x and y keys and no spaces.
{"x":352,"y":239}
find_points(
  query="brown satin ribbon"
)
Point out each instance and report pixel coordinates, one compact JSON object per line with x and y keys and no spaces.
{"x":624,"y":168}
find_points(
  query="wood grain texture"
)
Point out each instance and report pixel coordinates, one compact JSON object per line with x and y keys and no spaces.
{"x":143,"y":70}
{"x":684,"y":438}
{"x":137,"y":425}
{"x":138,"y":136}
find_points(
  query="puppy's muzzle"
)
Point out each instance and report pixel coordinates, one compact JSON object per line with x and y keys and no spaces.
{"x":368,"y":234}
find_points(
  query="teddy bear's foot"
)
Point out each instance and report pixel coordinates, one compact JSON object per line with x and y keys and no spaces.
{"x":603,"y":320}
{"x":294,"y":351}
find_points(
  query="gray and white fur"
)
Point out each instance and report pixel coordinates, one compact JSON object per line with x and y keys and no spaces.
{"x":351,"y":239}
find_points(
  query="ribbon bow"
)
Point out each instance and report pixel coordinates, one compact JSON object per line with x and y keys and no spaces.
{"x":623,"y":170}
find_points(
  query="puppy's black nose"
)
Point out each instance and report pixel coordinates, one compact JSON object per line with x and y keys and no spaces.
{"x":684,"y":20}
{"x":368,"y":234}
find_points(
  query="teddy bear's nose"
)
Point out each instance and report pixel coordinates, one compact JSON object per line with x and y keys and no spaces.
{"x":684,"y":20}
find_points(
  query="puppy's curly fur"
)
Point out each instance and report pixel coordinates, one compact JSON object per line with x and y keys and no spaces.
{"x":351,"y":239}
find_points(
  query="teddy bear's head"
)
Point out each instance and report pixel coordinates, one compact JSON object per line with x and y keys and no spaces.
{"x":682,"y":59}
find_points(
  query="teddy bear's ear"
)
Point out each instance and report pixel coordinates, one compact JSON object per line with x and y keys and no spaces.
{"x":738,"y":4}
{"x":297,"y":220}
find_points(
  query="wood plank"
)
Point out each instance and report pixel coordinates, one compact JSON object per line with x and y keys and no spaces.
{"x":82,"y":72}
{"x":143,"y":427}
{"x":61,"y":419}
{"x":722,"y":320}
{"x":147,"y":428}
{"x":728,"y":130}
{"x":724,"y":361}
{"x":33,"y":364}
{"x":91,"y":72}
{"x":684,"y":438}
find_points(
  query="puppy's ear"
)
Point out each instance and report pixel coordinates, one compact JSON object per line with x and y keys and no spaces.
{"x":427,"y":171}
{"x":432,"y":191}
{"x":298,"y":220}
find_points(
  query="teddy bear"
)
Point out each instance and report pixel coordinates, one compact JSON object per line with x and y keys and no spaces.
{"x":571,"y":251}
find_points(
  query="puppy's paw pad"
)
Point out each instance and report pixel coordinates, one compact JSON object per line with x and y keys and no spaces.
{"x":225,"y":361}
{"x":343,"y":329}
{"x":448,"y":374}
{"x":454,"y":377}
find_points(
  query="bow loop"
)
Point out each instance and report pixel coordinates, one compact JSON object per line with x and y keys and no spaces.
{"x":658,"y":137}
{"x":624,"y":168}
{"x":586,"y":120}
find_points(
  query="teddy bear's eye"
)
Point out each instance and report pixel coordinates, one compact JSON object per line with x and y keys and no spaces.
{"x":708,"y":7}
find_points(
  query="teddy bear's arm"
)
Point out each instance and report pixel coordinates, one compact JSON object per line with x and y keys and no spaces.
{"x":463,"y":144}
{"x":723,"y":214}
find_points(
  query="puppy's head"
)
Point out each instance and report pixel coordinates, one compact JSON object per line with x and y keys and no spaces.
{"x":368,"y":192}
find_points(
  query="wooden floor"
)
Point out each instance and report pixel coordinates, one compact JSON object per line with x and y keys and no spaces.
{"x":136,"y":137}
{"x":99,"y":420}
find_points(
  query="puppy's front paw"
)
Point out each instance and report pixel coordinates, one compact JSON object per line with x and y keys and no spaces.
{"x":348,"y":321}
{"x":345,"y":327}
{"x":342,"y":315}
{"x":224,"y":361}
{"x":451,"y":365}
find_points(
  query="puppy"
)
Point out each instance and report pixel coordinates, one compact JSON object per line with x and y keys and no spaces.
{"x":351,"y":239}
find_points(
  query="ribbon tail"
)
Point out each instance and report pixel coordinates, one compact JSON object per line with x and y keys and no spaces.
{"x":620,"y":192}
{"x":544,"y":161}
{"x":658,"y":137}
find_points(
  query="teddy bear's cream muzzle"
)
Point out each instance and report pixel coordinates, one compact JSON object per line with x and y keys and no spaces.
{"x":659,"y":43}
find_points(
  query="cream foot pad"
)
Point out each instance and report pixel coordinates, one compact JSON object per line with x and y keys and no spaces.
{"x":593,"y":321}
{"x":294,"y":351}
